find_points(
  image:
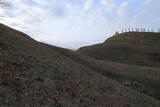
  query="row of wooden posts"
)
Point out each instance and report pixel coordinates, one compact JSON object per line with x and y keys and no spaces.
{"x":139,"y":30}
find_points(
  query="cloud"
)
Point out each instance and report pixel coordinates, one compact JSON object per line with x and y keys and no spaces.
{"x":87,"y":7}
{"x":109,"y":3}
{"x":2,"y":12}
{"x":67,"y":22}
{"x":148,"y":16}
{"x":122,"y":10}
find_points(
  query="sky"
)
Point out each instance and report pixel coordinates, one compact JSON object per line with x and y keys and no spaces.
{"x":76,"y":23}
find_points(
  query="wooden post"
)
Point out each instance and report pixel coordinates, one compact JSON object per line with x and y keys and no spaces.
{"x":125,"y":30}
{"x":116,"y":33}
{"x":144,"y":29}
{"x":152,"y":30}
{"x":129,"y":29}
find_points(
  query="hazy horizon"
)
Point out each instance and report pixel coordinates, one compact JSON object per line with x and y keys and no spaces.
{"x":76,"y":23}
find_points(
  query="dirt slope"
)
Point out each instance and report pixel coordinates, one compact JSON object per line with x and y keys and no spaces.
{"x":36,"y":74}
{"x":136,"y":48}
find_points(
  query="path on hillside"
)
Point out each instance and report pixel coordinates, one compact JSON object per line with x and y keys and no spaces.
{"x":119,"y":78}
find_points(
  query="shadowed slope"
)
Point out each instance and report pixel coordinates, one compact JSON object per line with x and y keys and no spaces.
{"x":36,"y":74}
{"x":142,"y":79}
{"x":132,"y":59}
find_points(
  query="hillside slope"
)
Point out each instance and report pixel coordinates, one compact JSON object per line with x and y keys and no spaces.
{"x":131,"y":58}
{"x":136,"y":48}
{"x":36,"y":74}
{"x":143,"y":79}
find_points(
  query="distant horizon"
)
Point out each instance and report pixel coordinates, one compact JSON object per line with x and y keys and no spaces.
{"x":126,"y":30}
{"x":76,"y":23}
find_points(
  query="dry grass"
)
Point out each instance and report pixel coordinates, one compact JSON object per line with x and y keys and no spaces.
{"x":36,"y":74}
{"x":133,"y":59}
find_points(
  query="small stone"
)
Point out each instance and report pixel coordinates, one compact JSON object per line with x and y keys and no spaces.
{"x":40,"y":79}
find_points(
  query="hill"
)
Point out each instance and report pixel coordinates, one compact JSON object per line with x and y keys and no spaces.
{"x":131,"y":58}
{"x":137,"y":48}
{"x":36,"y":74}
{"x":143,"y":79}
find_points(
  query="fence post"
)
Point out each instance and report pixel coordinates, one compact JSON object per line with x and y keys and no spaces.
{"x":116,"y":33}
{"x":129,"y":29}
{"x":125,"y":30}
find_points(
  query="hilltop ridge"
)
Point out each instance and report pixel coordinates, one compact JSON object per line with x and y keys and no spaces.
{"x":136,"y":38}
{"x":138,"y":48}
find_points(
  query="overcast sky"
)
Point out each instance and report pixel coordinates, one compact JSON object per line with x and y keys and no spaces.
{"x":75,"y":23}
